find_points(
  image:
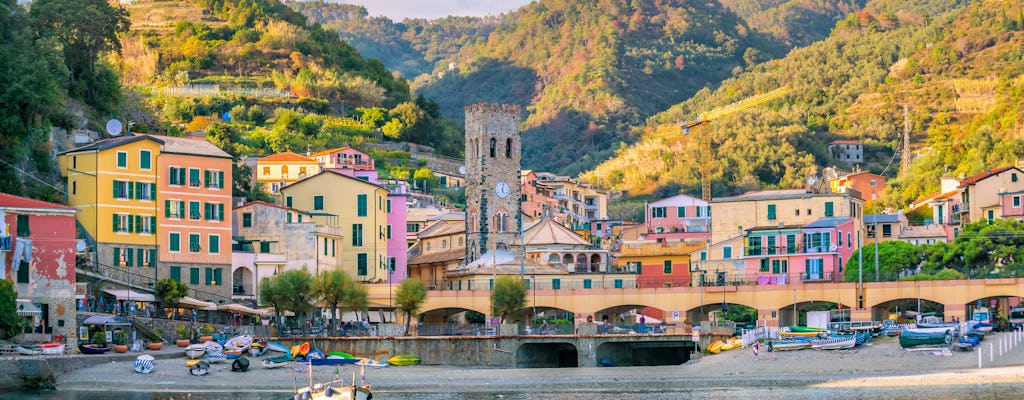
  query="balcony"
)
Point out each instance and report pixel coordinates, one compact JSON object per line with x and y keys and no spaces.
{"x":328,"y":230}
{"x":818,"y":277}
{"x":653,"y":248}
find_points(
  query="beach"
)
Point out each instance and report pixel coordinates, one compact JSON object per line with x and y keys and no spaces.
{"x":880,"y":363}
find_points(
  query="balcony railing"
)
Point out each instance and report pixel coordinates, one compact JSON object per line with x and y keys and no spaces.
{"x":819,"y":277}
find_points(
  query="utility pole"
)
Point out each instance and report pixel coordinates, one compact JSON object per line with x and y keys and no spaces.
{"x":860,"y":272}
{"x":874,"y":208}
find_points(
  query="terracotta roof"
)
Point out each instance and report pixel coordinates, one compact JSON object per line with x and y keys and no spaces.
{"x":328,"y":151}
{"x":10,"y":200}
{"x":439,"y":257}
{"x":104,"y":144}
{"x":548,"y":231}
{"x":984,"y":175}
{"x":287,"y":157}
{"x":846,"y":142}
{"x":923,"y":231}
{"x":443,"y":228}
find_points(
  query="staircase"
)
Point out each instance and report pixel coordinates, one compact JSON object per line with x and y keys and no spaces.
{"x":116,"y":275}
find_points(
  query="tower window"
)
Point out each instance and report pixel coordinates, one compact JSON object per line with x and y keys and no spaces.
{"x":494,"y":145}
{"x":508,"y":148}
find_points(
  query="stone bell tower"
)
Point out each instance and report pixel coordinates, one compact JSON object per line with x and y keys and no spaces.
{"x":493,"y":195}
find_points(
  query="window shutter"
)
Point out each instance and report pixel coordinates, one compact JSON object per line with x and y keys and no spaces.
{"x":220,"y":212}
{"x":131,"y":224}
{"x":131,"y":189}
{"x":152,"y":226}
{"x":138,"y":190}
{"x":167,"y":208}
{"x":181,"y":176}
{"x":181,"y":210}
{"x":117,"y":193}
{"x":117,"y":222}
{"x":207,"y":210}
{"x":220,"y":179}
{"x":140,"y":261}
{"x":131,"y":258}
{"x":117,"y":257}
{"x":152,"y":261}
{"x":138,"y":224}
{"x":217,"y":277}
{"x":152,"y":191}
{"x":206,"y":175}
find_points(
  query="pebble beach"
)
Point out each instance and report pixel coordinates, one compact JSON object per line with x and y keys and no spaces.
{"x":880,"y":363}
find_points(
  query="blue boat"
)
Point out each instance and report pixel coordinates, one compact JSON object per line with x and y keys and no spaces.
{"x":330,"y":361}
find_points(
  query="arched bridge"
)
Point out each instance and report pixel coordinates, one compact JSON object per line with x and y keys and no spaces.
{"x":776,"y":304}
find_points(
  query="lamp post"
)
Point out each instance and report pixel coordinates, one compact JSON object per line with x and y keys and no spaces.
{"x":874,"y":210}
{"x":860,"y":272}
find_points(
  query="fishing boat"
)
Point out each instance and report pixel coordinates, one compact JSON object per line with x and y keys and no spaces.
{"x":834,"y":343}
{"x":144,"y":364}
{"x":280,"y":348}
{"x":315,"y":354}
{"x":238,"y":343}
{"x":981,"y":326}
{"x":801,"y":334}
{"x":195,"y":351}
{"x":330,"y":361}
{"x":947,"y":325}
{"x":340,"y":354}
{"x":404,"y":359}
{"x":52,"y":348}
{"x":215,"y":358}
{"x":910,"y":338}
{"x":794,"y":328}
{"x":92,"y":348}
{"x":232,"y":354}
{"x":275,"y":362}
{"x":257,"y":351}
{"x":942,"y":330}
{"x":334,"y":390}
{"x":28,"y":350}
{"x":788,"y":345}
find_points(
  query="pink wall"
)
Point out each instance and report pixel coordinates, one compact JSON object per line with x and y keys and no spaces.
{"x":797,"y":263}
{"x":1008,"y":210}
{"x":671,"y":222}
{"x":53,"y":250}
{"x":397,"y":244}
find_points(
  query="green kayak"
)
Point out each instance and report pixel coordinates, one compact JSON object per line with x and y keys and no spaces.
{"x":793,"y":328}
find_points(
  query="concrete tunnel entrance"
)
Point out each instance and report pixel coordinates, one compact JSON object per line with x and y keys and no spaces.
{"x":547,"y":355}
{"x":619,"y":354}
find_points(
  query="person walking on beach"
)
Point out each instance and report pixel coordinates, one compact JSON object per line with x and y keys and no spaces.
{"x":771,"y":348}
{"x":757,"y":347}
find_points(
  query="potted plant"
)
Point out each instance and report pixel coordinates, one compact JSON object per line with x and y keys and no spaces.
{"x":159,"y":343}
{"x":120,"y":341}
{"x":183,"y":340}
{"x":206,"y":333}
{"x":99,"y":338}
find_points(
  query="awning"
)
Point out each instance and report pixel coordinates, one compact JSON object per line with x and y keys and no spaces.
{"x":238,"y":308}
{"x":269,"y":311}
{"x":27,"y":307}
{"x":131,"y":295}
{"x":190,"y":302}
{"x":106,"y":320}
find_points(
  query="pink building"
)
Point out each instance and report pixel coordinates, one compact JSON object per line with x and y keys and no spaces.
{"x":815,"y":252}
{"x":679,"y":217}
{"x":344,"y":158}
{"x":397,"y":242}
{"x":37,"y":254}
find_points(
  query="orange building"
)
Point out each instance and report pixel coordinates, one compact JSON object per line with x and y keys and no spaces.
{"x":870,"y":186}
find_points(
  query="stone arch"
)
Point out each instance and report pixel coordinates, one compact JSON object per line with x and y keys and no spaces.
{"x":494,"y":147}
{"x":242,"y":282}
{"x":906,"y":307}
{"x":595,"y":262}
{"x":508,"y":148}
{"x":443,"y":315}
{"x":627,"y":314}
{"x":567,"y":259}
{"x":581,"y":262}
{"x":800,"y":309}
{"x":712,"y":304}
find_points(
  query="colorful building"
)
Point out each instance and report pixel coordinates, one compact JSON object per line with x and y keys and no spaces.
{"x":992,"y":194}
{"x":680,"y":217}
{"x":398,"y":258}
{"x":37,"y":254}
{"x":441,"y":247}
{"x":538,"y":201}
{"x":344,"y":158}
{"x":658,"y":264}
{"x":282,"y":169}
{"x":815,"y":252}
{"x":870,"y":186}
{"x":884,"y":226}
{"x":359,"y":208}
{"x":155,"y":205}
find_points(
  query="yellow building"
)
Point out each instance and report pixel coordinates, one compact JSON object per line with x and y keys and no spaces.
{"x":580,"y":201}
{"x":359,"y":208}
{"x":441,"y":247}
{"x":279,"y":170}
{"x":773,"y":208}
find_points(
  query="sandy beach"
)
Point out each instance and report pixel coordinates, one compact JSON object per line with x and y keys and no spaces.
{"x":881,"y":363}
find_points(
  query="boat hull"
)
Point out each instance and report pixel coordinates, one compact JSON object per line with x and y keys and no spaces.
{"x":921,"y":340}
{"x":92,"y":349}
{"x":834,"y":343}
{"x":405,"y":359}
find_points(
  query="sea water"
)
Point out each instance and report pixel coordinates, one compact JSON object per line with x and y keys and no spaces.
{"x":974,"y":392}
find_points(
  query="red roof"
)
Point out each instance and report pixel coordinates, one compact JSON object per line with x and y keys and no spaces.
{"x":982,"y":176}
{"x":847,"y":142}
{"x":328,"y":151}
{"x":10,"y":200}
{"x":286,"y":157}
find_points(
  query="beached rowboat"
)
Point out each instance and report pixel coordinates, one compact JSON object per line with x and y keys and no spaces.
{"x":195,"y":351}
{"x":790,"y":345}
{"x":276,"y":362}
{"x":834,"y":343}
{"x":92,"y":348}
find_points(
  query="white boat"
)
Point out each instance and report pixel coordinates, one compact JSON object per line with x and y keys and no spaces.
{"x":144,"y":364}
{"x":238,"y":343}
{"x":334,"y":390}
{"x":213,"y":347}
{"x":372,"y":363}
{"x":834,"y":343}
{"x":276,"y":362}
{"x":790,"y":345}
{"x":27,"y":350}
{"x":195,"y":351}
{"x":280,"y":348}
{"x":937,"y":329}
{"x":53,"y":348}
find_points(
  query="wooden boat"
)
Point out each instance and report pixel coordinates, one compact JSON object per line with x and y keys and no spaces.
{"x":92,"y":348}
{"x":334,"y":390}
{"x":300,"y":350}
{"x":800,"y":334}
{"x":52,"y":348}
{"x":942,"y":330}
{"x":330,"y":361}
{"x":794,"y":328}
{"x":339,"y":354}
{"x":790,"y":345}
{"x":195,"y":351}
{"x":404,"y":359}
{"x":28,"y":350}
{"x":834,"y":343}
{"x":366,"y":362}
{"x":280,"y":348}
{"x":144,"y":364}
{"x":909,"y":338}
{"x":232,"y":354}
{"x":276,"y":362}
{"x":238,"y":343}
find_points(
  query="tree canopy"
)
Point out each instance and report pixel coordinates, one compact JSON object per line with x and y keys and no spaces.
{"x":169,"y":291}
{"x":409,"y":298}
{"x":10,"y":322}
{"x":508,"y":297}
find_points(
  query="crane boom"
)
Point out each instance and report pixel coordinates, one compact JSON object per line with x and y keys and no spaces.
{"x":709,"y":116}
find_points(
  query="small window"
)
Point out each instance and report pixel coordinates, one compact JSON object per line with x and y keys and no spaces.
{"x":771,"y":212}
{"x":194,"y":179}
{"x":23,"y":227}
{"x":145,"y":157}
{"x":494,"y":149}
{"x":508,"y":148}
{"x":727,"y":252}
{"x":361,"y":200}
{"x":1016,"y":201}
{"x":318,"y":203}
{"x":122,"y":159}
{"x":266,"y":171}
{"x":174,"y":242}
{"x":668,"y":267}
{"x":193,"y":243}
{"x":556,"y":284}
{"x":1013,"y":177}
{"x":247,"y":220}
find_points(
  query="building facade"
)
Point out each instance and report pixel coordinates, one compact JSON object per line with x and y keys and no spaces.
{"x":493,"y":153}
{"x":680,"y":217}
{"x":37,"y":254}
{"x":344,"y":158}
{"x":992,"y":194}
{"x":850,"y":151}
{"x":658,"y":264}
{"x":441,"y":247}
{"x":814,"y":252}
{"x":282,"y":169}
{"x":870,"y":186}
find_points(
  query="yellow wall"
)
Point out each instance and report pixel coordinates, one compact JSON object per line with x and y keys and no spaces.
{"x":91,"y":177}
{"x":340,"y":194}
{"x":277,"y":172}
{"x":728,"y":217}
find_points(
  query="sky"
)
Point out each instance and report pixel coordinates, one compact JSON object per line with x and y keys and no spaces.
{"x":398,"y":10}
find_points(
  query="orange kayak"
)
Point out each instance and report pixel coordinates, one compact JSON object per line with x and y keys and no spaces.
{"x":300,"y":350}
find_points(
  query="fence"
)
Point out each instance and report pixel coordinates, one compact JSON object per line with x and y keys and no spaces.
{"x":759,"y":333}
{"x":214,"y":90}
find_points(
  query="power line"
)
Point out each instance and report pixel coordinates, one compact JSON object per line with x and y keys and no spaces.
{"x":34,"y":177}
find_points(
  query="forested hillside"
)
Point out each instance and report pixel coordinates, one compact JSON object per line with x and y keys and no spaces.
{"x":955,"y":66}
{"x":587,"y":71}
{"x":794,"y":22}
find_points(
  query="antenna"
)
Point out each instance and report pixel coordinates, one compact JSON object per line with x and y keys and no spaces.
{"x":114,"y":127}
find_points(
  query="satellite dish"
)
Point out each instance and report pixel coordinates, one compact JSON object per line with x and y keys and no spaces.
{"x":80,"y":245}
{"x":114,"y":127}
{"x":811,"y":180}
{"x":462,"y":170}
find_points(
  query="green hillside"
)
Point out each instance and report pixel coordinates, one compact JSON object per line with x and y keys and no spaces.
{"x":954,"y":65}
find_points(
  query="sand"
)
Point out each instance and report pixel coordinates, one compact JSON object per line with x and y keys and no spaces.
{"x":880,"y":363}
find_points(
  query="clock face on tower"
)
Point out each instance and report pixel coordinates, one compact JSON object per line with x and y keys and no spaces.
{"x":501,"y":189}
